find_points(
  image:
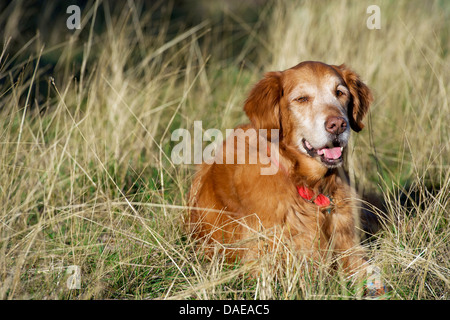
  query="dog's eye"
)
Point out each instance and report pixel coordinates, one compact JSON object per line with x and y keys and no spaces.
{"x":302,"y":99}
{"x":339,"y":93}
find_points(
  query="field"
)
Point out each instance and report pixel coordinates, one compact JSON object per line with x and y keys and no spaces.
{"x":93,"y":206}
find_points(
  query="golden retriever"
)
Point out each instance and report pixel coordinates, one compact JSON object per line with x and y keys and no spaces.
{"x":308,"y":200}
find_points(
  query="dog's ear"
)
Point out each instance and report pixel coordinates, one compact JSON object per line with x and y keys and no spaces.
{"x":361,"y":97}
{"x":263,"y":103}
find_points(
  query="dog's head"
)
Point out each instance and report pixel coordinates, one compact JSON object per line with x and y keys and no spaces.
{"x":314,"y":105}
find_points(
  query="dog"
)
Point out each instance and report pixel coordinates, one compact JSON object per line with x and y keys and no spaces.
{"x":312,"y":108}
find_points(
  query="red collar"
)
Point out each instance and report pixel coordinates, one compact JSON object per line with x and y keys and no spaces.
{"x":306,"y":193}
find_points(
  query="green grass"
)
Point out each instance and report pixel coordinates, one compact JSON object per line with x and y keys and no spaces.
{"x":85,"y":125}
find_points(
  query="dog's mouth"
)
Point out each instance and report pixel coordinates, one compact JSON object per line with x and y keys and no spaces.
{"x":330,"y":156}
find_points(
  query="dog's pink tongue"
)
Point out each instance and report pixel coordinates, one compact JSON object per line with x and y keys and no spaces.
{"x":331,"y":153}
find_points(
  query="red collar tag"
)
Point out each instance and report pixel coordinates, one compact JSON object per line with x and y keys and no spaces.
{"x":307,"y":194}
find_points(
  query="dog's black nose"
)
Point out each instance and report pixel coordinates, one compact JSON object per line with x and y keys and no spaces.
{"x":335,"y":125}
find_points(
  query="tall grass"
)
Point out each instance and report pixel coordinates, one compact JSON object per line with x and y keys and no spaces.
{"x":85,"y":168}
